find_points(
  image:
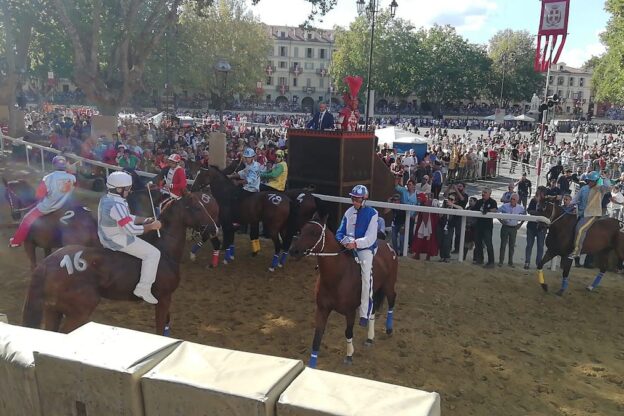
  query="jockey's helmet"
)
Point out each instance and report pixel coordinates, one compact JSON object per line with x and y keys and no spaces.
{"x":59,"y":162}
{"x":359,"y":191}
{"x":593,"y":176}
{"x":118,"y":179}
{"x":174,"y":157}
{"x":249,"y":152}
{"x":280,"y":153}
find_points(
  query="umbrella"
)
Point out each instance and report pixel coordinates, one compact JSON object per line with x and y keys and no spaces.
{"x":524,"y":117}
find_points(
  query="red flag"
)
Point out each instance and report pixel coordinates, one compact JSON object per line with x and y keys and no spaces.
{"x":553,"y":30}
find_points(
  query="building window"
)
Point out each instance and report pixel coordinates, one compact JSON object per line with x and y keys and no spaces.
{"x":322,"y":54}
{"x":581,"y":82}
{"x":571,"y":81}
{"x":560,"y":93}
{"x":567,"y":109}
{"x":294,"y":81}
{"x":309,"y":36}
{"x":550,"y":92}
{"x":283,"y":51}
{"x":309,"y":53}
{"x":308,"y":82}
{"x":560,"y":81}
{"x":551,"y":79}
{"x":560,"y":67}
{"x":322,"y":82}
{"x":282,"y":34}
{"x":65,"y":88}
{"x":269,"y":81}
{"x":580,"y":95}
{"x":283,"y":64}
{"x":282,"y":81}
{"x":308,"y":65}
{"x":268,"y":97}
{"x":296,"y":52}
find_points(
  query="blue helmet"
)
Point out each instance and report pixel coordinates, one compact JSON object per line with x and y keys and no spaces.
{"x":59,"y":162}
{"x":249,"y":152}
{"x":359,"y":191}
{"x":593,"y":176}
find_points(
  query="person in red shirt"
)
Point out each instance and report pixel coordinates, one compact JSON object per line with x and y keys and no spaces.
{"x":175,"y":179}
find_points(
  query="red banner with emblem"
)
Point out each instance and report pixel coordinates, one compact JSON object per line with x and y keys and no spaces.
{"x":552,"y":33}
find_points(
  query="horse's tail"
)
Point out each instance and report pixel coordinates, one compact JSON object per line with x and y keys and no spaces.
{"x":33,"y":306}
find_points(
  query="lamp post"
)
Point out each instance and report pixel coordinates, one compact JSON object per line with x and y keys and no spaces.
{"x":223,"y":67}
{"x":371,"y":11}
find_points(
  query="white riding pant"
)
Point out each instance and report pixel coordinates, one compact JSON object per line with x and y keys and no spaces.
{"x":149,"y":255}
{"x":366,"y":270}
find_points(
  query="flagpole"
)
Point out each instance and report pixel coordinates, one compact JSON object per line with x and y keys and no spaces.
{"x":544,"y":117}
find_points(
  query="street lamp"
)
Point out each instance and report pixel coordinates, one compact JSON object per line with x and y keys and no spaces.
{"x":371,"y":11}
{"x":223,"y":67}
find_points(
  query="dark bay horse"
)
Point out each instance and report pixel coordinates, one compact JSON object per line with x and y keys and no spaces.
{"x":602,"y":237}
{"x":20,"y":195}
{"x":68,"y":285}
{"x":71,"y":224}
{"x":339,"y":284}
{"x":270,"y":208}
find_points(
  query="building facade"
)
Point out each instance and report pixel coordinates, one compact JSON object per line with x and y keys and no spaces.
{"x":297,"y":68}
{"x":573,"y":86}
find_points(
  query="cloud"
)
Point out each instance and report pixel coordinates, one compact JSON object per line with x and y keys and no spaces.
{"x":576,"y":57}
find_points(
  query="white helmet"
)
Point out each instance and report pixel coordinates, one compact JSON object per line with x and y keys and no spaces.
{"x":118,"y":179}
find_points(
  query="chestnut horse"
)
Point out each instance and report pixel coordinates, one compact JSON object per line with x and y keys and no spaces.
{"x":602,"y":237}
{"x":339,"y":284}
{"x":271,"y":208}
{"x":68,"y":285}
{"x":71,"y":224}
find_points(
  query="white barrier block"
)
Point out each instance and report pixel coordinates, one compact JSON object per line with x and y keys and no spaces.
{"x":316,"y":393}
{"x":18,"y":386}
{"x":98,"y":371}
{"x":200,"y":380}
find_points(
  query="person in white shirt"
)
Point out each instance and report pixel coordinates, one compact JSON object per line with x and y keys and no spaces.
{"x":616,"y":203}
{"x":410,"y":161}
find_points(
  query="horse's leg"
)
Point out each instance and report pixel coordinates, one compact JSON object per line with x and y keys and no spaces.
{"x":51,"y":319}
{"x":254,"y":236}
{"x":277,"y":246}
{"x":287,"y":238}
{"x":167,"y":330}
{"x":350,"y":318}
{"x":216,"y":246}
{"x":320,"y":320}
{"x":391,"y":296}
{"x":228,"y":243}
{"x":162,"y":313}
{"x":566,"y":264}
{"x":540,"y":273}
{"x":601,"y":260}
{"x":377,"y":300}
{"x":29,"y":248}
{"x":198,"y":245}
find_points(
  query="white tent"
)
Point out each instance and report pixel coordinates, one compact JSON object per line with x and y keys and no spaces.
{"x":508,"y":117}
{"x":524,"y":117}
{"x":392,"y":135}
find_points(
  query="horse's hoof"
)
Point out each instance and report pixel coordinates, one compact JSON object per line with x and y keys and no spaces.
{"x":589,"y":288}
{"x":226,"y":261}
{"x":254,"y":254}
{"x":271,"y":269}
{"x":545,"y":287}
{"x":280,"y":265}
{"x":192,"y":257}
{"x":348,"y":360}
{"x":389,"y":331}
{"x":560,"y":292}
{"x":369,"y":343}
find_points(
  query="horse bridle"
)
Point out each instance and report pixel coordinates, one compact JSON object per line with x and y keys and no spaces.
{"x":553,"y":213}
{"x":211,"y":219}
{"x":10,"y":194}
{"x":321,"y":240}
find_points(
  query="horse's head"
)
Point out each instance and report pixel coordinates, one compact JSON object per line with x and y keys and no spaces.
{"x":312,"y":238}
{"x":207,"y":176}
{"x":20,"y":196}
{"x":201,"y":212}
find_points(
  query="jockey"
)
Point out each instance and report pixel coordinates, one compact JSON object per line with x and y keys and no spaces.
{"x":117,"y":230}
{"x":589,"y":207}
{"x":358,"y":231}
{"x":175,"y":181}
{"x":53,"y":192}
{"x":276,"y":177}
{"x":250,"y":174}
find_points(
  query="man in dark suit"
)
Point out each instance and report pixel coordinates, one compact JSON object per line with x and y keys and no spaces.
{"x":322,"y":120}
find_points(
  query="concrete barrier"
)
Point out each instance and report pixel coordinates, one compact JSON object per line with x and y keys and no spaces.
{"x":197,"y":380}
{"x":98,"y":371}
{"x":19,"y":395}
{"x":316,"y":393}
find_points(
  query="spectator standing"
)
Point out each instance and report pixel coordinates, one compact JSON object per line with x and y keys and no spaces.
{"x":483,"y":228}
{"x":524,"y":189}
{"x":536,"y":231}
{"x":509,"y":228}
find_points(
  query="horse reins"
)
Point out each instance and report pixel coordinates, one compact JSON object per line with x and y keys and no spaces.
{"x":10,"y":195}
{"x":311,"y":252}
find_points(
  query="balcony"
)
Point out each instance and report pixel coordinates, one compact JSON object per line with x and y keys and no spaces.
{"x":308,"y":90}
{"x":295,"y":70}
{"x":282,"y":88}
{"x":269,"y":69}
{"x":323,"y":72}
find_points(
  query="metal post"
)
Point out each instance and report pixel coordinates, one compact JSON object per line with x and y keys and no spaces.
{"x":27,"y":155}
{"x":42,"y":161}
{"x":544,"y":116}
{"x":406,"y":233}
{"x":462,"y":239}
{"x":373,"y":8}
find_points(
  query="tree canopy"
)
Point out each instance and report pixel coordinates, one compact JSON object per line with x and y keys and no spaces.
{"x":608,"y":77}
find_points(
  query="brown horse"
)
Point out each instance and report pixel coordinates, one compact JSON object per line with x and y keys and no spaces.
{"x":71,"y":224}
{"x":20,"y":195}
{"x":602,"y":237}
{"x":339,"y":283}
{"x":68,"y":285}
{"x":270,"y":208}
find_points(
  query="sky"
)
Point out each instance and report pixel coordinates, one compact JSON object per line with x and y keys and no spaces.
{"x":477,"y":20}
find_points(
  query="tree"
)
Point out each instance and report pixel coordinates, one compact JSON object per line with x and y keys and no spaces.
{"x":226,"y":31}
{"x":608,"y":77}
{"x":592,"y":63}
{"x":397,"y":56}
{"x":512,"y":54}
{"x":456,"y":69}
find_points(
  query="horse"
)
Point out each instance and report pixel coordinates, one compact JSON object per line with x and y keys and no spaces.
{"x":603,"y":236}
{"x":271,"y":208}
{"x":20,"y":195}
{"x":339,"y":284}
{"x":67,"y":286}
{"x":71,"y":224}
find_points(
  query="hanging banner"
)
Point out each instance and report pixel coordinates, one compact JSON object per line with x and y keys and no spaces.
{"x":553,"y":30}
